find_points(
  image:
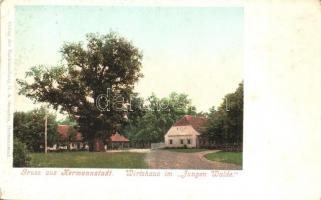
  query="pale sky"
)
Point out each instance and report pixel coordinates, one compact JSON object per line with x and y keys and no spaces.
{"x":192,"y":50}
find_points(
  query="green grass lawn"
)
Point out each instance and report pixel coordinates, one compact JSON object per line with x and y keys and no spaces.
{"x":227,"y":157}
{"x":186,"y":150}
{"x":89,"y":159}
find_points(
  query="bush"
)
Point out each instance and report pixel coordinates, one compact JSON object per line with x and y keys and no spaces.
{"x":20,"y":154}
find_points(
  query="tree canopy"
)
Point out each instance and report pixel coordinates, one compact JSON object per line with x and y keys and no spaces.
{"x":29,"y":128}
{"x":225,"y":125}
{"x":104,"y":62}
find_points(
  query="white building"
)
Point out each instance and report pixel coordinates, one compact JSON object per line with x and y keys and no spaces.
{"x":185,"y":132}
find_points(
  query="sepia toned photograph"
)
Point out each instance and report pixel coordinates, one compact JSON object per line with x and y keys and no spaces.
{"x":128,"y":87}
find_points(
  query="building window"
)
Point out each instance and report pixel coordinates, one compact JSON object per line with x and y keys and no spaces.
{"x":170,"y":141}
{"x":182,"y":141}
{"x":188,"y":141}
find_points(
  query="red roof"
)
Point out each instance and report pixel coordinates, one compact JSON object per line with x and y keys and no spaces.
{"x":195,"y":122}
{"x":116,"y":137}
{"x":64,"y":130}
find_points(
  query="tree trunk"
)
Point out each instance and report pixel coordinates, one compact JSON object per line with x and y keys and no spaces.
{"x":91,"y":146}
{"x":96,"y":145}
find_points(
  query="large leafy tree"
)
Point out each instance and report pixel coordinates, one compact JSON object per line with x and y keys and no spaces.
{"x":104,"y":62}
{"x":29,"y":128}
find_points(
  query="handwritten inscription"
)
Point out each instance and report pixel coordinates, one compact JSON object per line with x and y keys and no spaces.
{"x":195,"y":174}
{"x":65,"y":172}
{"x":28,"y":172}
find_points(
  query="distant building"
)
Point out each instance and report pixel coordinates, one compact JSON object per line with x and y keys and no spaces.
{"x":185,"y":132}
{"x":70,"y":137}
{"x":117,"y":141}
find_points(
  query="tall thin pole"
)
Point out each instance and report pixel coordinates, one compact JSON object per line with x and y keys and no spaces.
{"x":46,"y":122}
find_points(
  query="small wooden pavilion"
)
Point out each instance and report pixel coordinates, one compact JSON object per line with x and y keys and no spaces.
{"x":117,"y":141}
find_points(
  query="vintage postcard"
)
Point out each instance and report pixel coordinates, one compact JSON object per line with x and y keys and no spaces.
{"x":124,"y":92}
{"x":124,"y":87}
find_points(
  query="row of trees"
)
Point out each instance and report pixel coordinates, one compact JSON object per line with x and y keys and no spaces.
{"x":148,"y":121}
{"x":143,"y":126}
{"x":225,"y":124}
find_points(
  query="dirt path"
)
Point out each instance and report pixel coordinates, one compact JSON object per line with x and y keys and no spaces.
{"x":163,"y":159}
